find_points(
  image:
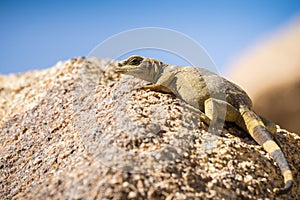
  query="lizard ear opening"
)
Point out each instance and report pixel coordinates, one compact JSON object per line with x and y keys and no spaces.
{"x":135,"y":60}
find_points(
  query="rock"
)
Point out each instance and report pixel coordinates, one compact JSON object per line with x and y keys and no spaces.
{"x":270,"y":73}
{"x":80,"y":131}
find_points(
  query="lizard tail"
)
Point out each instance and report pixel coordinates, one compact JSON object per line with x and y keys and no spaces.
{"x":261,"y":135}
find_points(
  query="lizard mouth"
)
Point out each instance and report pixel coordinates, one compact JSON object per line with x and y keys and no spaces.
{"x":124,"y":68}
{"x":121,"y":69}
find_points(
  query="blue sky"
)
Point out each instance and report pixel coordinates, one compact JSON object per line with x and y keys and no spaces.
{"x":37,"y":34}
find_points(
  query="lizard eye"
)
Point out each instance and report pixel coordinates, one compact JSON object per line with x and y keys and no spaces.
{"x":135,"y":61}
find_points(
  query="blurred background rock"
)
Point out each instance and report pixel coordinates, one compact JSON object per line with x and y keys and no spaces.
{"x":270,"y":72}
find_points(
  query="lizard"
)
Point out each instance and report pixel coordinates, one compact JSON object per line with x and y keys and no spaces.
{"x":200,"y":88}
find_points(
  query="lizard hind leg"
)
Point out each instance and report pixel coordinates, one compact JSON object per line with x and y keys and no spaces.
{"x":219,"y":110}
{"x":216,"y":111}
{"x":270,"y":126}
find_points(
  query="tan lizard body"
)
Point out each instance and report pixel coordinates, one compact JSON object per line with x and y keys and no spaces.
{"x":201,"y":88}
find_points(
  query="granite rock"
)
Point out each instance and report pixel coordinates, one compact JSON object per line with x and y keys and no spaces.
{"x":80,"y":131}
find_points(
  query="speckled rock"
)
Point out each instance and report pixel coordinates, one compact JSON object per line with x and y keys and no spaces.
{"x":80,"y":131}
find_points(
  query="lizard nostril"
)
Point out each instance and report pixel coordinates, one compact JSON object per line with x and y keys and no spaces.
{"x":119,"y":65}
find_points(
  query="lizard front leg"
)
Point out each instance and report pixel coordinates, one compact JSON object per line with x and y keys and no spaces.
{"x":157,"y":88}
{"x":162,"y":83}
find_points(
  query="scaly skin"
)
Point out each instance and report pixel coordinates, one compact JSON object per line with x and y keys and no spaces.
{"x":210,"y":93}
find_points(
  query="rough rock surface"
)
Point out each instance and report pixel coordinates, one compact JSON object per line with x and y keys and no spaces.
{"x":80,"y":131}
{"x":270,"y":72}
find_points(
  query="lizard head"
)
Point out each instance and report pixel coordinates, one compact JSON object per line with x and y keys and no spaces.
{"x":147,"y":69}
